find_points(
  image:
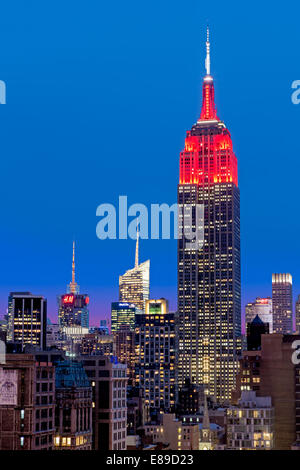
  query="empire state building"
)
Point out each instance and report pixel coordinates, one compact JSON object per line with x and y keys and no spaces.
{"x":209,"y":286}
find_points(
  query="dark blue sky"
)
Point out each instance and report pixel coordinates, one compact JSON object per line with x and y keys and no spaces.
{"x":99,"y":97}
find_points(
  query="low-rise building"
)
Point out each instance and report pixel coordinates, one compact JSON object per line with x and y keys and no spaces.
{"x":250,"y":424}
{"x":73,"y":415}
{"x":173,"y":434}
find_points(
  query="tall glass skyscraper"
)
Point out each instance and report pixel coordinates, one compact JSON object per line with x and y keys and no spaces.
{"x":209,"y":286}
{"x":282,"y":298}
{"x":134,"y":285}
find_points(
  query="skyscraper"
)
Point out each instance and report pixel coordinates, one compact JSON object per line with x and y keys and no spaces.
{"x":134,"y":284}
{"x":262,"y":308}
{"x":123,"y":329}
{"x":155,"y":356}
{"x":282,"y":299}
{"x":73,"y":306}
{"x":209,"y":287}
{"x":122,"y":314}
{"x":27,"y":319}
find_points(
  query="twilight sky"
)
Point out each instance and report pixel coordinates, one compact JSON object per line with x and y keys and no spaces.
{"x":99,"y":97}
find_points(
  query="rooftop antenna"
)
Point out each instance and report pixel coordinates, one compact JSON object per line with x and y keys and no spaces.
{"x":137,"y":244}
{"x":207,"y":59}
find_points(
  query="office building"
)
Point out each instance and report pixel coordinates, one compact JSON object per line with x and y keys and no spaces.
{"x":282,"y":299}
{"x":27,"y":319}
{"x":155,"y":356}
{"x":134,"y":285}
{"x":209,"y":287}
{"x":274,"y":371}
{"x":125,"y":350}
{"x":261,"y":307}
{"x":109,"y":385}
{"x":123,"y":314}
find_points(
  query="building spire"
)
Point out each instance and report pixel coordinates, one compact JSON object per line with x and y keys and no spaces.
{"x":208,"y":111}
{"x":205,"y":422}
{"x":137,"y":245}
{"x":73,"y":286}
{"x":207,"y":59}
{"x":73,"y":264}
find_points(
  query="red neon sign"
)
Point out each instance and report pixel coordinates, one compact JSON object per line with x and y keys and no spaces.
{"x":262,"y":301}
{"x":87,"y":300}
{"x":68,"y":299}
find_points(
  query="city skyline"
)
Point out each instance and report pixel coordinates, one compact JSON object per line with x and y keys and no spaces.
{"x":31,"y":246}
{"x":150,"y":281}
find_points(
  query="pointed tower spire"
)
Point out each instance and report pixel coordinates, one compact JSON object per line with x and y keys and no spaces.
{"x":206,"y":422}
{"x":73,"y":286}
{"x":73,"y":264}
{"x":208,"y":111}
{"x":207,"y":60}
{"x":137,"y":245}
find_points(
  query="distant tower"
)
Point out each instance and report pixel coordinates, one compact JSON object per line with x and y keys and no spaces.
{"x":73,"y":287}
{"x":261,"y":307}
{"x":73,"y":306}
{"x":134,"y":285}
{"x":209,"y":285}
{"x":206,"y":440}
{"x":282,"y":299}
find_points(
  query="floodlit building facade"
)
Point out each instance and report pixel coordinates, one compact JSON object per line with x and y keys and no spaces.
{"x":209,"y":287}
